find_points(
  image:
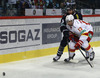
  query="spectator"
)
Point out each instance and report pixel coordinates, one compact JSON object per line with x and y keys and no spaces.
{"x":56,"y":4}
{"x":50,"y":5}
{"x":21,"y":5}
{"x":41,"y":4}
{"x":63,"y":8}
{"x":27,"y":4}
{"x":47,"y":3}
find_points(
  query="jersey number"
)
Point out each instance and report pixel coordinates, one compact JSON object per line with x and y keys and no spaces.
{"x":80,"y":29}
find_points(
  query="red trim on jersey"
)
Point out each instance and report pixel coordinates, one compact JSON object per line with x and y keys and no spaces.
{"x":71,"y":50}
{"x":88,"y":47}
{"x":91,"y":32}
{"x":88,"y":39}
{"x":85,"y":34}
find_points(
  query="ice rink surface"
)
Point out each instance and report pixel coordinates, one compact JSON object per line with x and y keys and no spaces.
{"x":44,"y":67}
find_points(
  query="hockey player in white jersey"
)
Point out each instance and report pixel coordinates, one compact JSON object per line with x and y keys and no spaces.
{"x":83,"y":33}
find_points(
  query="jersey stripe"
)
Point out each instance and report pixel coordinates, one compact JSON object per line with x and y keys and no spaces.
{"x":88,"y":48}
{"x":82,"y":31}
{"x":71,"y":50}
{"x":77,"y":16}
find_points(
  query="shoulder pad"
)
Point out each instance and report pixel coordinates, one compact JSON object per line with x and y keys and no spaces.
{"x":76,"y":22}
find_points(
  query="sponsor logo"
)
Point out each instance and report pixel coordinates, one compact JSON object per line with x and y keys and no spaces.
{"x":14,"y":36}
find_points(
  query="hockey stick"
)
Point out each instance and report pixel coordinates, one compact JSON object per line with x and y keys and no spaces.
{"x":84,"y":55}
{"x":85,"y":58}
{"x":68,"y":49}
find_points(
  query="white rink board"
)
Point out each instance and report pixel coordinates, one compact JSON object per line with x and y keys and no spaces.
{"x":30,"y":24}
{"x":24,"y":24}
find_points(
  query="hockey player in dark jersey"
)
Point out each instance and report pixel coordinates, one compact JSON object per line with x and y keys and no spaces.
{"x":65,"y":32}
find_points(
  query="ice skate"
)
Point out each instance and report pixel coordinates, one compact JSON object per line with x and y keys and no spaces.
{"x":92,"y":55}
{"x":59,"y":53}
{"x":70,"y":58}
{"x":87,"y":55}
{"x":56,"y":58}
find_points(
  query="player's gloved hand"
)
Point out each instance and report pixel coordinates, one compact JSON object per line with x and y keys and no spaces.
{"x":71,"y":35}
{"x":78,"y":44}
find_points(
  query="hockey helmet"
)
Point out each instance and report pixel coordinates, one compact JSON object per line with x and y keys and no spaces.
{"x":69,"y":8}
{"x":69,"y":18}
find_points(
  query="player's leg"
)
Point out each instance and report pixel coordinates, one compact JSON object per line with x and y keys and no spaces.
{"x":89,"y":50}
{"x":63,"y":43}
{"x":71,"y":51}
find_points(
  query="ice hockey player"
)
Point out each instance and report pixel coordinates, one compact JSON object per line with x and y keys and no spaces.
{"x":83,"y":32}
{"x":64,"y":41}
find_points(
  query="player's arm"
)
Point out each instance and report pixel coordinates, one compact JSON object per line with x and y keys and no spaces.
{"x":82,"y":38}
{"x":63,"y":28}
{"x":85,"y":36}
{"x":63,"y":24}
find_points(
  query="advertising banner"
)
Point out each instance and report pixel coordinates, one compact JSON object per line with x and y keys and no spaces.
{"x":19,"y":36}
{"x":53,"y":12}
{"x":96,"y":30}
{"x":97,"y":11}
{"x":51,"y":33}
{"x":12,"y":1}
{"x":86,"y":11}
{"x":33,"y":12}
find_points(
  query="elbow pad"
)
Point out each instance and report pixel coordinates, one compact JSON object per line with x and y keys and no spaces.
{"x":66,"y":34}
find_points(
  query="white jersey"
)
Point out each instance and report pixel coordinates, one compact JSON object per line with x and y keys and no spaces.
{"x":79,"y":27}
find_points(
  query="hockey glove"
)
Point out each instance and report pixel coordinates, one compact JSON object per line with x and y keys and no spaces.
{"x":78,"y":44}
{"x":71,"y":35}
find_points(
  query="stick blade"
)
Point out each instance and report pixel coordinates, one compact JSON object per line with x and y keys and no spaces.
{"x":74,"y":61}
